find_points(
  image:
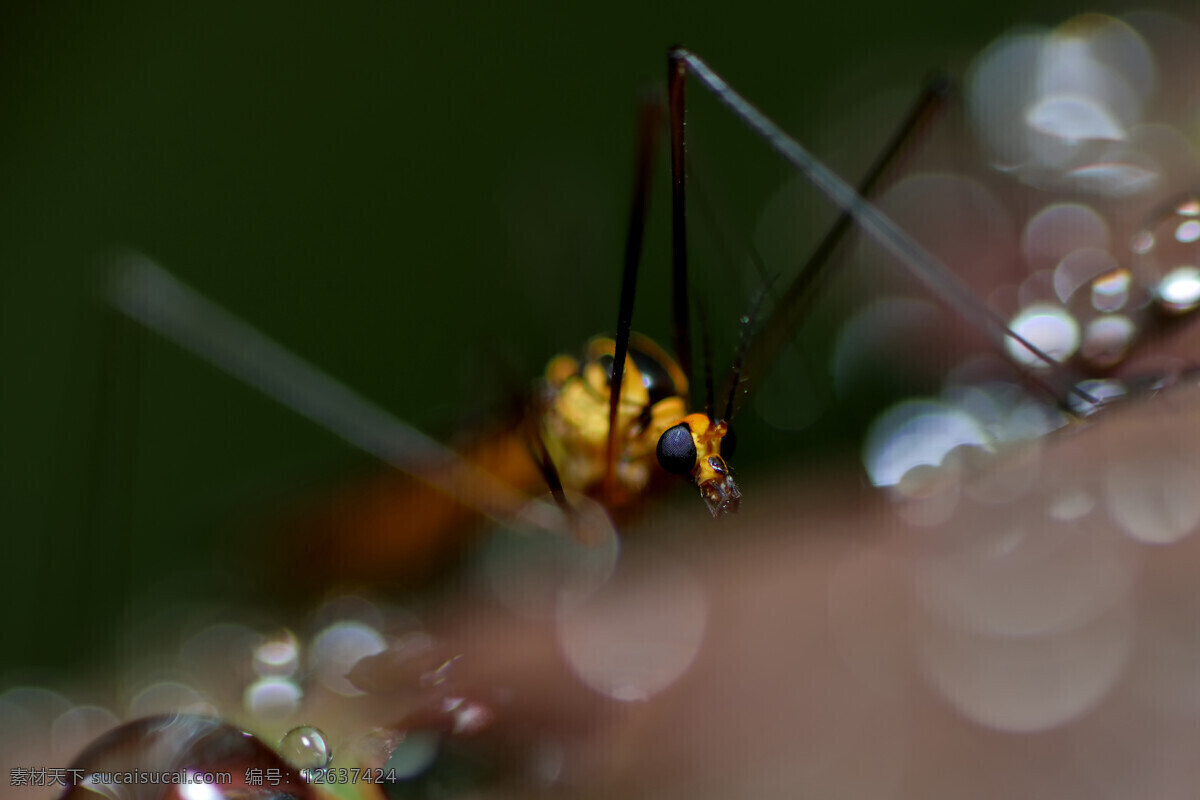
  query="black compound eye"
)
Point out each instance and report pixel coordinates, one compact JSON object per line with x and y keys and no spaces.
{"x":676,"y":450}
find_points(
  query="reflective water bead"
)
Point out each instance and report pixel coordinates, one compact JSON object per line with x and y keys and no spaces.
{"x":305,"y":747}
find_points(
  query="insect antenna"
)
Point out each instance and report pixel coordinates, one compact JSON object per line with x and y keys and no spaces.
{"x":676,"y":84}
{"x":712,"y":223}
{"x":745,"y":336}
{"x":648,"y":124}
{"x":706,"y":356}
{"x":1061,"y":380}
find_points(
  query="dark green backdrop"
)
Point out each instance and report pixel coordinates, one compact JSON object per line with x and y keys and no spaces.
{"x":424,"y":199}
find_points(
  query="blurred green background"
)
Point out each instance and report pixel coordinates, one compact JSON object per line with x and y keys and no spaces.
{"x":426,"y":200}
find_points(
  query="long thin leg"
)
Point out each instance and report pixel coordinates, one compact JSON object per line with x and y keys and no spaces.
{"x":649,"y":121}
{"x":148,"y":294}
{"x":921,"y":263}
{"x":546,"y":466}
{"x":706,"y":357}
{"x":676,"y":83}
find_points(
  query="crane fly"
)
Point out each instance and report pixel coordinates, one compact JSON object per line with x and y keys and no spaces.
{"x":609,"y":424}
{"x":599,"y":423}
{"x":577,"y":442}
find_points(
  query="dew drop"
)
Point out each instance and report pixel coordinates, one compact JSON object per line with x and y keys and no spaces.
{"x":638,"y":635}
{"x":915,"y":433}
{"x":1096,"y":393}
{"x":1059,"y":230}
{"x":1188,"y":231}
{"x":272,"y":698}
{"x":336,"y":649}
{"x":413,"y":754}
{"x":305,"y":747}
{"x":532,"y":572}
{"x":1106,"y":339}
{"x":1080,"y":268}
{"x":1167,"y":251}
{"x":373,"y":748}
{"x":1142,"y":243}
{"x":168,"y":697}
{"x":1026,"y":683}
{"x":1179,"y":290}
{"x":221,"y":657}
{"x":1111,"y":292}
{"x":277,"y":656}
{"x":74,"y":729}
{"x":1050,"y":328}
{"x":1152,"y":496}
{"x":181,"y":757}
{"x":546,"y":762}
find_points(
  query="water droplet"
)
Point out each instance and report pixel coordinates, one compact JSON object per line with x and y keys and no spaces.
{"x":469,"y":717}
{"x":637,"y":636}
{"x":1059,"y":230}
{"x":348,"y":608}
{"x":546,"y":762}
{"x":532,"y":572}
{"x":1179,"y":290}
{"x":1073,"y":90}
{"x":1020,"y":683}
{"x":1167,"y":250}
{"x":1097,"y":394}
{"x":1080,"y":268}
{"x":915,"y":433}
{"x":272,"y":698}
{"x":1152,"y":496}
{"x":305,"y":747}
{"x":1188,"y":231}
{"x":1110,"y":292}
{"x":413,"y":754}
{"x":1106,"y":339}
{"x":277,"y":656}
{"x":168,"y":697}
{"x":1050,"y":328}
{"x":1142,"y":243}
{"x":221,"y":659}
{"x":181,"y":757}
{"x":74,"y":729}
{"x":373,"y":748}
{"x":338,"y":648}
